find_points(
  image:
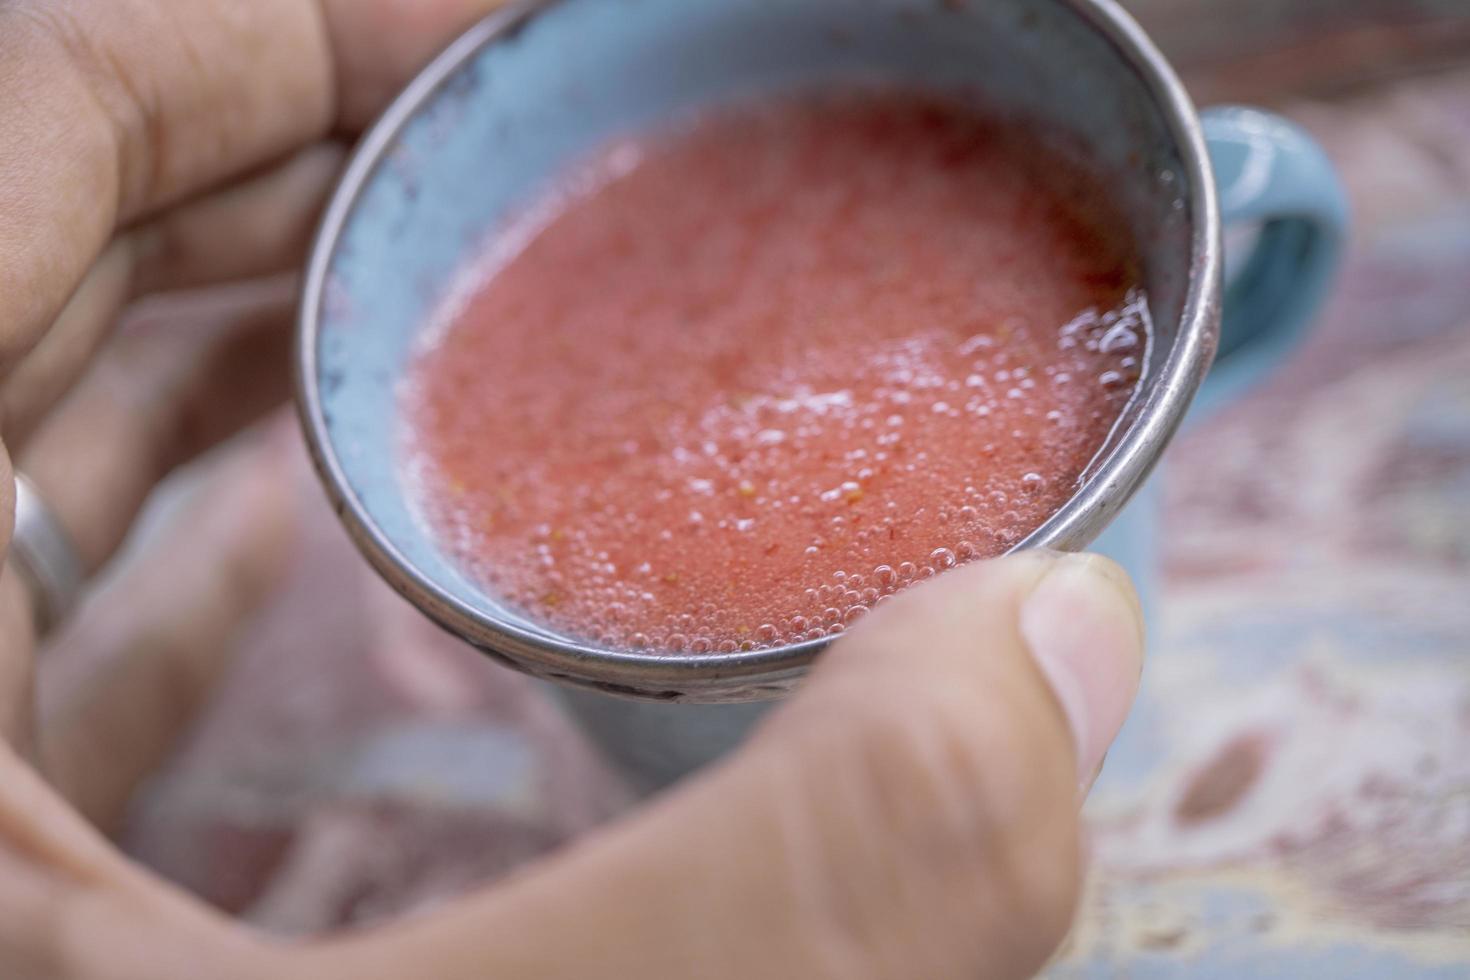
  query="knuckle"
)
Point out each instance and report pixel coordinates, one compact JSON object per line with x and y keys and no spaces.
{"x":951,"y":840}
{"x":124,"y":113}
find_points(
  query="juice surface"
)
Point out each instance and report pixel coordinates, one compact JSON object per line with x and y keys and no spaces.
{"x":728,"y":385}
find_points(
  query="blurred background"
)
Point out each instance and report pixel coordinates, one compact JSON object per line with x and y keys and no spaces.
{"x":1292,"y":796}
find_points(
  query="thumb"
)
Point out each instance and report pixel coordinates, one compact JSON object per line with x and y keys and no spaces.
{"x":912,"y":813}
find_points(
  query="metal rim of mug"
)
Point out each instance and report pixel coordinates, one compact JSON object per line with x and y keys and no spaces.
{"x":750,"y":675}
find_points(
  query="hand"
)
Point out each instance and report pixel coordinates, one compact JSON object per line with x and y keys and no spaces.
{"x":912,"y":813}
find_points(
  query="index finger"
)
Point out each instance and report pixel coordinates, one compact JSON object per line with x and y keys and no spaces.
{"x":113,"y":109}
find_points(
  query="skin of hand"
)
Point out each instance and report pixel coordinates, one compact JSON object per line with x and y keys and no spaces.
{"x":911,"y":813}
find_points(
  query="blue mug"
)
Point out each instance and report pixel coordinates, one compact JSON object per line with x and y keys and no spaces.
{"x":544,"y":81}
{"x":1280,"y":191}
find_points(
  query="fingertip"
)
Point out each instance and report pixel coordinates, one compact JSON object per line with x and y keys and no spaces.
{"x":1076,"y":618}
{"x":1083,"y":625}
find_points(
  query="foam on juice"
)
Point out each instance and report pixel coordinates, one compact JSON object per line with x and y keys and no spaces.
{"x":758,"y":373}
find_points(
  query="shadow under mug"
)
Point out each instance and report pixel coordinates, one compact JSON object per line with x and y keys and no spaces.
{"x":544,"y":81}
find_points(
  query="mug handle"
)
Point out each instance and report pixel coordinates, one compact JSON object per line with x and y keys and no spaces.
{"x":1274,"y":179}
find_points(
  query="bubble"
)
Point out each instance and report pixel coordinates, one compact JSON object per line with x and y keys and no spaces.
{"x":766,"y":633}
{"x":1111,"y":379}
{"x":1120,"y":337}
{"x":869,"y":596}
{"x":885,"y":576}
{"x":1033,"y":483}
{"x":942,"y":558}
{"x":798,"y":624}
{"x":812,"y":550}
{"x":927,"y":572}
{"x":638,"y":641}
{"x":907,"y":570}
{"x":700,"y":644}
{"x":965,"y":551}
{"x":831,"y":614}
{"x":726,"y":646}
{"x":677,"y":642}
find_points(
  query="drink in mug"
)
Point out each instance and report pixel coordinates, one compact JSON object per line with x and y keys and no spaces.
{"x":728,"y":385}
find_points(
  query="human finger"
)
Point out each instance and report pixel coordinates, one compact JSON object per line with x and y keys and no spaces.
{"x":174,"y":386}
{"x":169,"y":390}
{"x":255,"y":228}
{"x":380,"y":44}
{"x":157,"y":641}
{"x":73,"y":908}
{"x":115,"y":109}
{"x":913,"y":812}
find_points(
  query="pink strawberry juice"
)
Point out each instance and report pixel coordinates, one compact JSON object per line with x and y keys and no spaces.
{"x":729,"y":385}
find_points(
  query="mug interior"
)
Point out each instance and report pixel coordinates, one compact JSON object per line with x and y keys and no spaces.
{"x":544,"y":83}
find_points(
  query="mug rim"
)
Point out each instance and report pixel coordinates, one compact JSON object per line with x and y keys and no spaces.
{"x":755,"y":674}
